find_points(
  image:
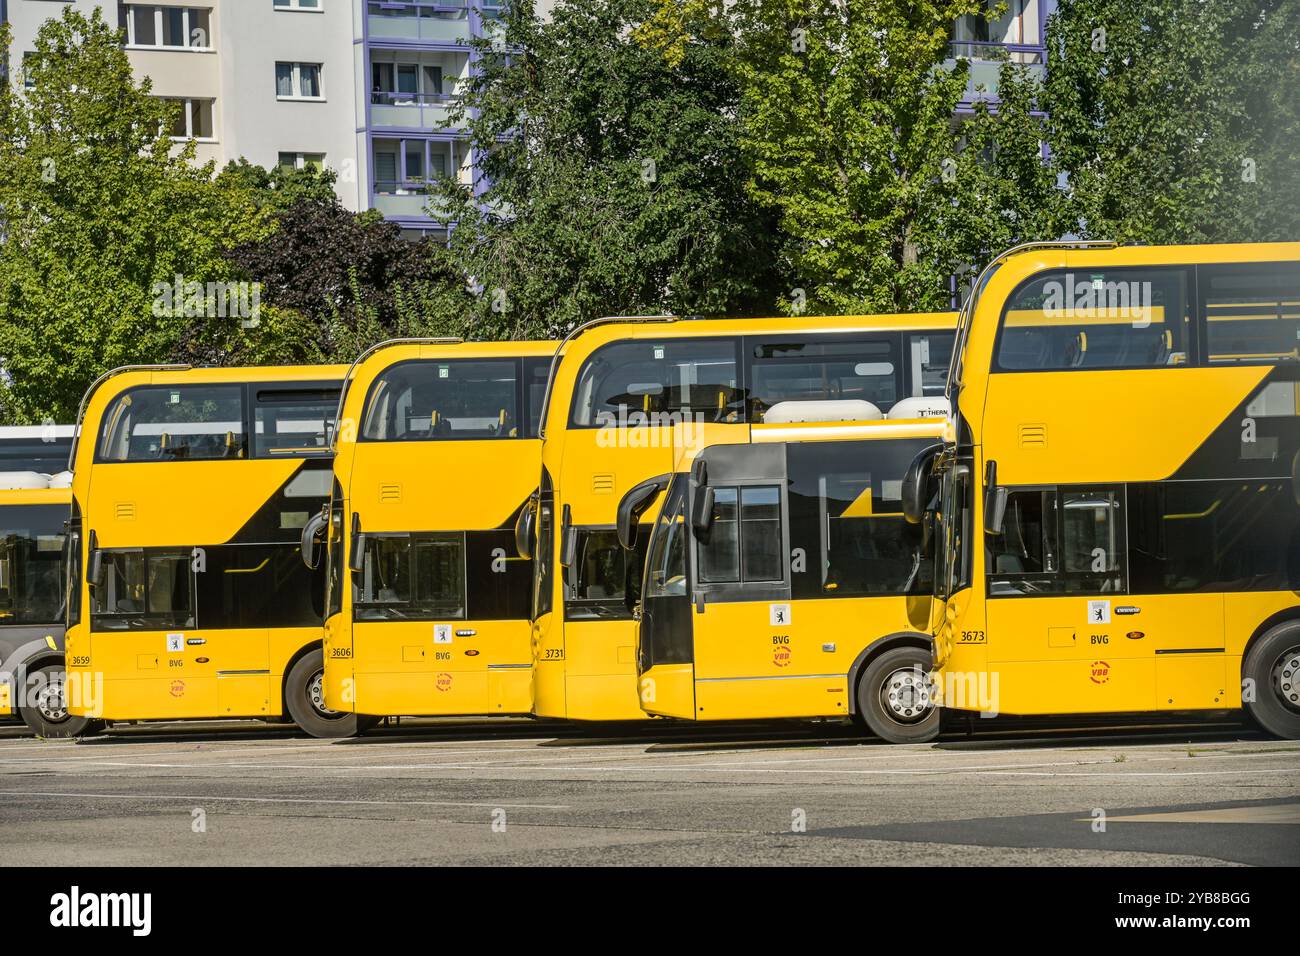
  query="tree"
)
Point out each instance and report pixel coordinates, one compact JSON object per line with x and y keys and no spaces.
{"x":281,"y":186}
{"x":1178,"y":120}
{"x":97,"y":204}
{"x":613,"y":180}
{"x":333,"y":282}
{"x":848,"y":117}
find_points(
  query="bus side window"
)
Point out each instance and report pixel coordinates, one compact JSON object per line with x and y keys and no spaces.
{"x":1067,"y":541}
{"x":1252,"y":312}
{"x":1092,"y":541}
{"x":929,"y":354}
{"x":743,"y":543}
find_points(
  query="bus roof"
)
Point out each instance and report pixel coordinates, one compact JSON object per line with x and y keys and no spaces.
{"x":36,"y":432}
{"x":595,"y":334}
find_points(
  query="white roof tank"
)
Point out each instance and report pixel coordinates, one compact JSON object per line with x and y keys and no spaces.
{"x":927,"y":406}
{"x":844,"y":410}
{"x":23,"y":480}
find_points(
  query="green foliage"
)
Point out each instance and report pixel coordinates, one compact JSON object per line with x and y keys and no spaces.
{"x":1163,"y":110}
{"x":848,"y":112}
{"x":614,"y":179}
{"x":280,"y":186}
{"x":98,"y":204}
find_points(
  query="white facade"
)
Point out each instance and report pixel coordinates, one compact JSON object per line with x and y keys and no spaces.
{"x":265,"y":80}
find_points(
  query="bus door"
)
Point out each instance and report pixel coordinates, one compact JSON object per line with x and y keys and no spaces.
{"x":1064,"y":625}
{"x":155,"y":664}
{"x":718,"y":593}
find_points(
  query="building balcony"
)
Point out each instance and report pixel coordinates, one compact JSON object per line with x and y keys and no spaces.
{"x":446,"y":21}
{"x":402,"y":200}
{"x":986,"y":60}
{"x":424,"y":111}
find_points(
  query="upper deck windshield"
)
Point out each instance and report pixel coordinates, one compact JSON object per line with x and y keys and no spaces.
{"x":211,"y":422}
{"x":450,"y":399}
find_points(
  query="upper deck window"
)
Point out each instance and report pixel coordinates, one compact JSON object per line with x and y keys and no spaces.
{"x":1252,"y":312}
{"x":293,"y":421}
{"x":644,"y":382}
{"x":1096,"y":319}
{"x":444,"y":400}
{"x":175,"y":423}
{"x":537,"y":372}
{"x":803,"y":371}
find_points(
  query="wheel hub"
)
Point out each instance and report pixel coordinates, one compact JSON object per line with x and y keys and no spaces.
{"x":905,"y":695}
{"x":316,"y":693}
{"x":50,"y":701}
{"x":1286,"y":678}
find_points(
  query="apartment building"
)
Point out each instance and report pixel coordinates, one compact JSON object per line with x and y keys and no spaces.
{"x":367,"y":87}
{"x":272,"y":81}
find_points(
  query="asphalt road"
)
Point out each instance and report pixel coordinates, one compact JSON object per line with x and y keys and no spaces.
{"x":520,"y":792}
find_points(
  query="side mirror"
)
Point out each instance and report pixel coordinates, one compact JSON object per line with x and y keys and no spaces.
{"x":702,"y":511}
{"x":357,"y":559}
{"x":568,"y":540}
{"x":702,"y":502}
{"x":633,"y":505}
{"x":95,"y":563}
{"x":524,"y":526}
{"x":918,"y":484}
{"x":310,"y":532}
{"x":995,"y":500}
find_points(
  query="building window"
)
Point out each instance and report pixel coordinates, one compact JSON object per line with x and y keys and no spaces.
{"x":29,"y":58}
{"x":405,"y":84}
{"x":312,"y":5}
{"x":314,"y":161}
{"x":193,"y":119}
{"x":172,"y":28}
{"x":1009,"y":27}
{"x":298,"y":81}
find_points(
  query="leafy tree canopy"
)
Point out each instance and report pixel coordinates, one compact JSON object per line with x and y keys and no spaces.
{"x":98,"y":205}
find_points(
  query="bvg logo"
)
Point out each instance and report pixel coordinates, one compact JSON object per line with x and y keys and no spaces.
{"x":73,"y":909}
{"x":1099,"y":672}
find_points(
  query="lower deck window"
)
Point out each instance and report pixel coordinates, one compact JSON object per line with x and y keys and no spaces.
{"x":411,"y":576}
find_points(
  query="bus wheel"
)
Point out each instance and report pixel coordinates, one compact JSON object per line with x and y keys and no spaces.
{"x":1273,"y":667}
{"x":894,"y":697}
{"x":304,"y":697}
{"x":46,"y":709}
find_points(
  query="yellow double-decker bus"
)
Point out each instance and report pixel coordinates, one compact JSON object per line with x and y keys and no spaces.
{"x":782,"y":580}
{"x":187,"y":597}
{"x":1120,"y":505}
{"x":615,"y":397}
{"x":428,"y":600}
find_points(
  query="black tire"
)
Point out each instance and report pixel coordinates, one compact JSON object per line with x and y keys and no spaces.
{"x":1273,"y":664}
{"x":899,"y":675}
{"x":45,"y":707}
{"x":303,"y":701}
